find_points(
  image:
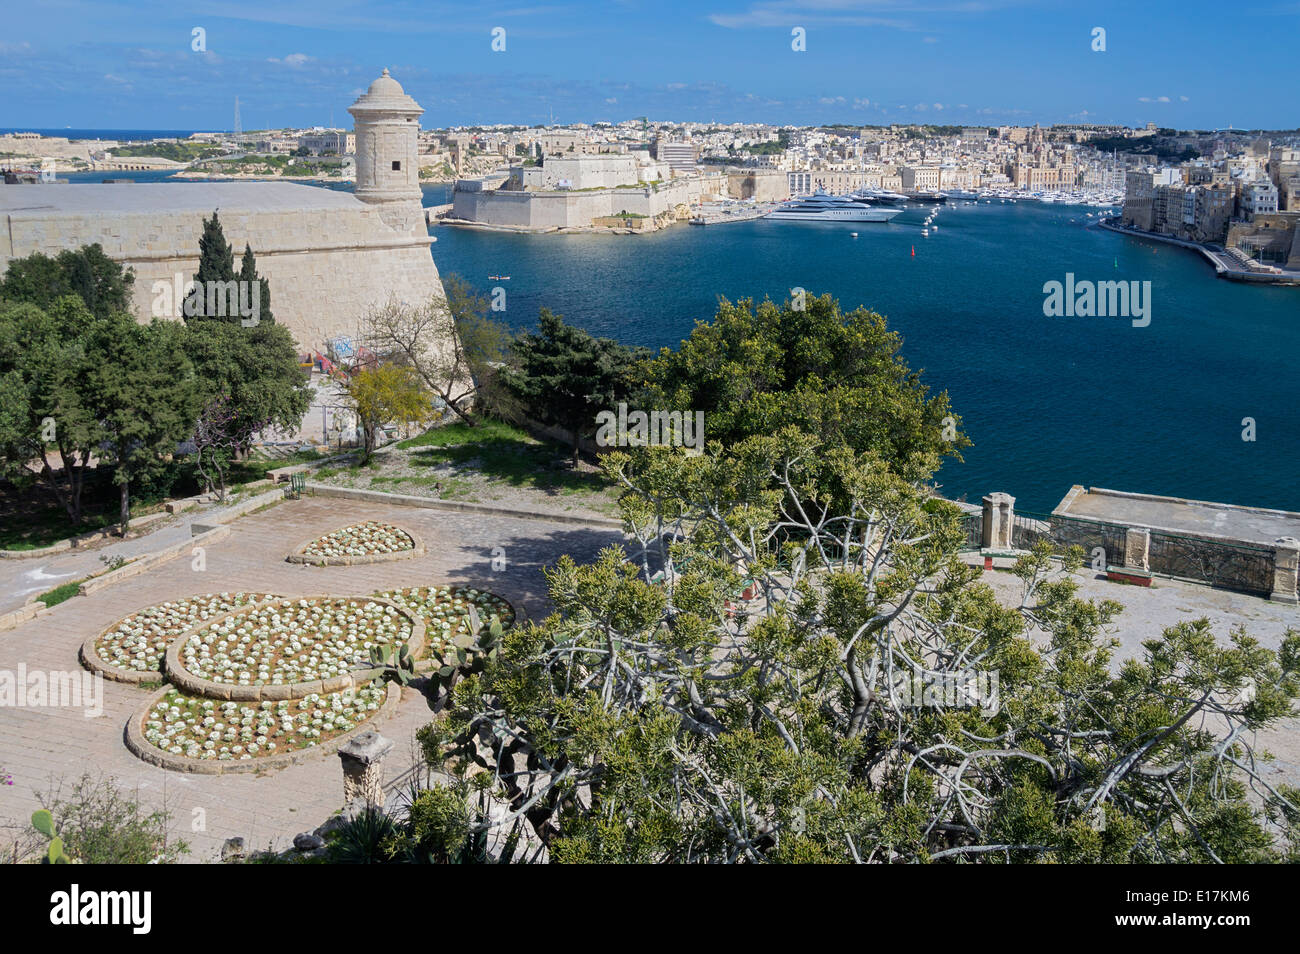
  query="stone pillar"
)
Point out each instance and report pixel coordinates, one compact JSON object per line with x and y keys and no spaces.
{"x":363,"y":775}
{"x":1286,"y":559}
{"x":1137,"y":549}
{"x":999,"y":514}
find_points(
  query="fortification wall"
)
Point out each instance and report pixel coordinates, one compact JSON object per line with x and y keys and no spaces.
{"x":326,"y":267}
{"x":539,"y":210}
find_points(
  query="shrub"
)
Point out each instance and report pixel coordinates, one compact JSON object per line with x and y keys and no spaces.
{"x":100,"y":824}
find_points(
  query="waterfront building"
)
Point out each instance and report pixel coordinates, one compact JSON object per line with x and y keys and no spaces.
{"x":680,"y":156}
{"x":917,"y":178}
{"x":1259,"y":198}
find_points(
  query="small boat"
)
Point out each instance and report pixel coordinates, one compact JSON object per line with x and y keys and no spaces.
{"x":925,"y":232}
{"x":498,"y":278}
{"x":854,"y":234}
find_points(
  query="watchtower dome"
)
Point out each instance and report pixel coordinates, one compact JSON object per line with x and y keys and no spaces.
{"x":387,"y":128}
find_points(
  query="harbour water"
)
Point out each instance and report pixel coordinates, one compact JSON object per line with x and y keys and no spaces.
{"x":1048,"y":402}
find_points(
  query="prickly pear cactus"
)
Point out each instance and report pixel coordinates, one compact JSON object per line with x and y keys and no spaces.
{"x":468,"y":653}
{"x":43,"y":822}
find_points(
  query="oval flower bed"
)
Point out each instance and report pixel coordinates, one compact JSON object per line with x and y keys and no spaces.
{"x":368,"y":542}
{"x":289,"y":644}
{"x":131,"y":650}
{"x":445,"y":609}
{"x":193,"y":733}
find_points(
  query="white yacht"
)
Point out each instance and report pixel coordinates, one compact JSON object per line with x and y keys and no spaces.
{"x":821,"y":207}
{"x":878,"y":197}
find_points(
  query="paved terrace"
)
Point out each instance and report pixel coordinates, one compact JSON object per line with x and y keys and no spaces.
{"x":1247,"y":524}
{"x":41,"y":747}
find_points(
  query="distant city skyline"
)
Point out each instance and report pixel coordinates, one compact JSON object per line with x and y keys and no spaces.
{"x":1187,"y":65}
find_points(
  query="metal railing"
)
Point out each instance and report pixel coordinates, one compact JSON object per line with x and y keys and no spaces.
{"x":1064,"y":532}
{"x":1233,"y":566}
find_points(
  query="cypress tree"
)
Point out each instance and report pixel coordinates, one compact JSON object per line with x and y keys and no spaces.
{"x":216,"y":264}
{"x":248,"y":273}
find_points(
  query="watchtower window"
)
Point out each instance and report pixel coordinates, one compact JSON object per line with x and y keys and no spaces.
{"x":397,"y":165}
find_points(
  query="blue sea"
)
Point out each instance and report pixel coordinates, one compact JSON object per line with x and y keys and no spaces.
{"x":1048,"y":402}
{"x":121,"y":135}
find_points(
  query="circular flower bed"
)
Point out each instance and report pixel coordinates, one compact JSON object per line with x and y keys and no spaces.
{"x":290,"y":642}
{"x":367,"y":542}
{"x":445,"y":609}
{"x":135,"y":645}
{"x":192,"y":733}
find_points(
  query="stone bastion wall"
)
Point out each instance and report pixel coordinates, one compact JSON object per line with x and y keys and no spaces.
{"x":326,"y":266}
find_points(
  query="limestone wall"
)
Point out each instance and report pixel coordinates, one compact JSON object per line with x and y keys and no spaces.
{"x":326,"y":267}
{"x":541,"y":210}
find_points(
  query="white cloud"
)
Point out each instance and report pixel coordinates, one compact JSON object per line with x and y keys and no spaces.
{"x":293,"y":59}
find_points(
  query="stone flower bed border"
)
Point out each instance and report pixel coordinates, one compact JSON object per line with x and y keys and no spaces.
{"x":424,"y":663}
{"x":92,"y":660}
{"x":417,"y":549}
{"x":181,"y":678}
{"x":144,"y":749}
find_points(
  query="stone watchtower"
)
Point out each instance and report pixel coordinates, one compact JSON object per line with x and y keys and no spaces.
{"x":388,"y":172}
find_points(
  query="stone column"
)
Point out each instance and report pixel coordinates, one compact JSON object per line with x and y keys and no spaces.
{"x":363,"y":775}
{"x":999,"y":514}
{"x":1286,"y":559}
{"x":1137,"y":549}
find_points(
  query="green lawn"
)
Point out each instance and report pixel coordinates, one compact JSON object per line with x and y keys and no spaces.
{"x":505,"y":453}
{"x":60,"y":593}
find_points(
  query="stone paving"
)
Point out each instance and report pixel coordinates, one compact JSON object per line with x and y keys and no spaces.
{"x":42,"y":746}
{"x":23,"y":578}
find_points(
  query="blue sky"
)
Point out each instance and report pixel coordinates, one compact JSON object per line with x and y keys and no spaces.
{"x":104,"y":64}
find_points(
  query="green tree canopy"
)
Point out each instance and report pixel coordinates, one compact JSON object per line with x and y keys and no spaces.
{"x":564,"y":376}
{"x":46,"y":356}
{"x":86,"y":273}
{"x":216,"y":257}
{"x":382,"y":394}
{"x":248,"y":273}
{"x":144,"y":395}
{"x":853,"y":693}
{"x":838,"y":377}
{"x":255,"y":368}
